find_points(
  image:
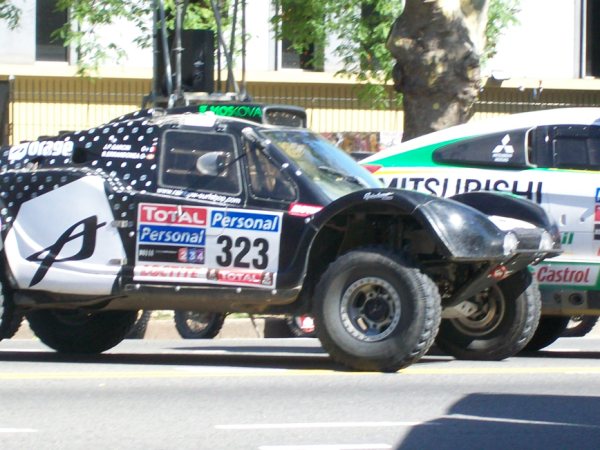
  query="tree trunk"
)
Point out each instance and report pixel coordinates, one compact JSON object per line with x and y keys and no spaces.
{"x":437,"y":45}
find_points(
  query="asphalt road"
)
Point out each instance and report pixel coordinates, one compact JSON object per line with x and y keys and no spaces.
{"x":285,"y":394}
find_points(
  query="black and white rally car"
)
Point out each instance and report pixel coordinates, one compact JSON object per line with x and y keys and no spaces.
{"x":201,"y":210}
{"x":550,"y":157}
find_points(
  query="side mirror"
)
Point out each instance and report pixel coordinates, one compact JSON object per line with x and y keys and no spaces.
{"x":212,"y":163}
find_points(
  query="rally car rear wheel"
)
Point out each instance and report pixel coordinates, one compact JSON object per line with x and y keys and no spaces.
{"x":548,"y":330}
{"x":10,"y":318}
{"x":375,"y":311}
{"x":502,"y":322}
{"x":81,"y":332}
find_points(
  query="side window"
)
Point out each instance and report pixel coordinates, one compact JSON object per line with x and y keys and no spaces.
{"x":506,"y":149}
{"x":181,"y":150}
{"x":266,"y":179}
{"x":576,"y":153}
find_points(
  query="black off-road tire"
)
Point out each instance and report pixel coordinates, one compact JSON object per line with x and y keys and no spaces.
{"x":10,"y":318}
{"x":579,"y":326}
{"x":138,"y":330}
{"x":505,"y":322}
{"x":549,"y":330}
{"x":80,"y":332}
{"x":374,"y":311}
{"x":198,"y":325}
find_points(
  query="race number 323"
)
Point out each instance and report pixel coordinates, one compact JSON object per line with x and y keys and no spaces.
{"x":243,"y":252}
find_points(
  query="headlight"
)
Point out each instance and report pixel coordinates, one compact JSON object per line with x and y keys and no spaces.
{"x":510,"y":243}
{"x":546,"y":242}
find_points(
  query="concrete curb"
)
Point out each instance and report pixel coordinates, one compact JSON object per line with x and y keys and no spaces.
{"x":269,"y":327}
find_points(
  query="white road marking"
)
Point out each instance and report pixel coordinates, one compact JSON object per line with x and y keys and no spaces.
{"x":519,"y":421}
{"x":327,"y":447}
{"x":296,"y":425}
{"x":17,"y":430}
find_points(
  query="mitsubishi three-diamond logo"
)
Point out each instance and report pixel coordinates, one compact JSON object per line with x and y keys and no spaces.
{"x":503,"y":152}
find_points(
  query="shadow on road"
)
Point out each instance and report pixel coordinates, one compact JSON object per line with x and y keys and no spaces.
{"x":207,"y":353}
{"x":509,"y":421}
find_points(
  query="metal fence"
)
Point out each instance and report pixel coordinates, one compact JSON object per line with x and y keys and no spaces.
{"x":46,"y":105}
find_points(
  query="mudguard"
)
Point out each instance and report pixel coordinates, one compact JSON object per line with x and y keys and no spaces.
{"x":462,"y":232}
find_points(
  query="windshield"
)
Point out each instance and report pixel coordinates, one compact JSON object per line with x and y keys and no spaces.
{"x":335,"y":172}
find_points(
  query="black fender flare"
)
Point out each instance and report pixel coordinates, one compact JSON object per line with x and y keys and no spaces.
{"x":462,"y":233}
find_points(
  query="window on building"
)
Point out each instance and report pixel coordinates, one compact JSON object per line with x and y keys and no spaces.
{"x":48,"y":20}
{"x":592,"y":38}
{"x":309,"y":57}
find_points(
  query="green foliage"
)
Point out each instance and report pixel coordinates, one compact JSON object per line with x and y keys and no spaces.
{"x":9,"y":13}
{"x":88,"y":16}
{"x":360,"y":29}
{"x":501,"y":15}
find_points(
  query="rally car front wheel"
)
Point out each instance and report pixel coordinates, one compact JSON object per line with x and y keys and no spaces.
{"x":79,"y":331}
{"x":500,"y":322}
{"x":374,"y":311}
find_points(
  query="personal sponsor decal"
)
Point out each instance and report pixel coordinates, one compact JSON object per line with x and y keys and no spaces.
{"x":504,"y":151}
{"x":222,"y":245}
{"x":447,"y":187}
{"x":40,"y":148}
{"x":562,"y":274}
{"x":245,"y":221}
{"x":378,"y":196}
{"x":303,"y":210}
{"x":171,"y":235}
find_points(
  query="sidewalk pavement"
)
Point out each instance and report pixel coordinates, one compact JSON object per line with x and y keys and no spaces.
{"x":269,"y":327}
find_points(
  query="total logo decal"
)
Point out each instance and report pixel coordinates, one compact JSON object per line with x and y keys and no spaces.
{"x":241,"y":277}
{"x":566,"y":274}
{"x":207,"y":245}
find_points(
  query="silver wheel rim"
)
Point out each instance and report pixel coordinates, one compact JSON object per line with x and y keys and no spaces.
{"x":370,"y":309}
{"x":491,"y":309}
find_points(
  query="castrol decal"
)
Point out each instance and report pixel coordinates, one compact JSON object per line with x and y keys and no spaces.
{"x":567,"y":274}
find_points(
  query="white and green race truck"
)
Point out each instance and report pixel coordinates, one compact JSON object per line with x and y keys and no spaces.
{"x":550,"y":157}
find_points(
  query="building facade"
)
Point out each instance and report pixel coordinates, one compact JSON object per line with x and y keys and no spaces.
{"x":551,"y":58}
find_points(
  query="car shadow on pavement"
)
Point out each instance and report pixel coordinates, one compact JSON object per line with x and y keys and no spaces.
{"x":559,"y":354}
{"x":246,"y":356}
{"x":512,"y":421}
